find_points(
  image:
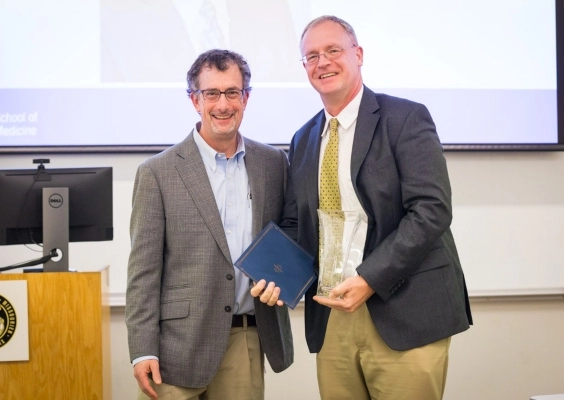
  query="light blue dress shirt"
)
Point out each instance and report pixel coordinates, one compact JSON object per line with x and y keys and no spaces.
{"x":230,"y":185}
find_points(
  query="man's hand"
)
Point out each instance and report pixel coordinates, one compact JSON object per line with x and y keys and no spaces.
{"x":141,"y":371}
{"x":347,"y":296}
{"x":268,"y":294}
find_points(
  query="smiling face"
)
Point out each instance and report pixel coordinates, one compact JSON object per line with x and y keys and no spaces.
{"x":337,"y":80}
{"x":220,"y":119}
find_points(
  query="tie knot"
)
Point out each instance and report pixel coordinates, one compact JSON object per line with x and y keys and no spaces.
{"x":329,"y":195}
{"x":333,"y":123}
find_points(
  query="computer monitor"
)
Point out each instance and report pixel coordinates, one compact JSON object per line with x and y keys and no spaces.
{"x":26,"y":213}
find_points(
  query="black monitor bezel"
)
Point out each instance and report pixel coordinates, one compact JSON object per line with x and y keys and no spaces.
{"x":90,"y":203}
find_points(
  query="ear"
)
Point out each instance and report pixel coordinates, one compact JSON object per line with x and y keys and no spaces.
{"x":360,"y":55}
{"x":196,"y":101}
{"x":245,"y":98}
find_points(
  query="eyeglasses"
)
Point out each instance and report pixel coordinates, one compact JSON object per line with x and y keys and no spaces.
{"x":230,"y":94}
{"x":330,"y":54}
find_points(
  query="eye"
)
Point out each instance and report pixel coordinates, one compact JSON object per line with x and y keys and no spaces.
{"x":312,"y":58}
{"x":334,"y":51}
{"x":211,"y":94}
{"x":232,"y":94}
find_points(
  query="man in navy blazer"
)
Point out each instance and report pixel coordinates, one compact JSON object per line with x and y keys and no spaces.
{"x":385,"y":332}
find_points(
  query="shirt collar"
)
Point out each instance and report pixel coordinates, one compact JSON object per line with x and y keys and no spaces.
{"x":210,"y":156}
{"x":348,"y":115}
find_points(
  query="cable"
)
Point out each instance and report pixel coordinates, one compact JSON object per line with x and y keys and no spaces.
{"x":52,"y":254}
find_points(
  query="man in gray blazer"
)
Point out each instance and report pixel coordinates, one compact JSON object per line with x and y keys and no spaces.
{"x":385,"y":332}
{"x":194,"y":330}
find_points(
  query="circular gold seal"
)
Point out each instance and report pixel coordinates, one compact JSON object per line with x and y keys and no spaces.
{"x":7,"y":321}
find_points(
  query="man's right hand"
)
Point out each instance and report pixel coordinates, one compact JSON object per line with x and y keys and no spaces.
{"x":142,"y":370}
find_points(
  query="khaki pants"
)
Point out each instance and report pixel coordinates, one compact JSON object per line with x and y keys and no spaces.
{"x":355,"y":363}
{"x":240,"y":376}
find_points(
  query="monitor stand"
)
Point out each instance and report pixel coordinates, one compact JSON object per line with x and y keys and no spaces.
{"x":56,"y":228}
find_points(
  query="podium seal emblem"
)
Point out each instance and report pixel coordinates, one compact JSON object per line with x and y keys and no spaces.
{"x":7,"y":321}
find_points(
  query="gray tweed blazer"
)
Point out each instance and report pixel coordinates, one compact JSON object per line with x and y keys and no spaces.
{"x":180,"y":275}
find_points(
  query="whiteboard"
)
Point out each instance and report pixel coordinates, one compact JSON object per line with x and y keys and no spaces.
{"x":509,"y":221}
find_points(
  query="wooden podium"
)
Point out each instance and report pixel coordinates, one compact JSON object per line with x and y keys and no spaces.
{"x":69,"y":339}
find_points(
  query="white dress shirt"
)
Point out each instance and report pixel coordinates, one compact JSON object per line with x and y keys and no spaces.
{"x":207,"y":23}
{"x":349,"y":202}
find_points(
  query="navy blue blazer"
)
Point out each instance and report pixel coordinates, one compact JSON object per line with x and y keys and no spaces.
{"x":400,"y":177}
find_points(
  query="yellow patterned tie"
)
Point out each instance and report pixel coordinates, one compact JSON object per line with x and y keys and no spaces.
{"x":329,"y":195}
{"x":330,"y":259}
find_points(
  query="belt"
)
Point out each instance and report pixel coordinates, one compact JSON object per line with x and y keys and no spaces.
{"x":238,"y":320}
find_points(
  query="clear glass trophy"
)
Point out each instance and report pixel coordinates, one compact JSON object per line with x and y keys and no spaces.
{"x":337,"y":230}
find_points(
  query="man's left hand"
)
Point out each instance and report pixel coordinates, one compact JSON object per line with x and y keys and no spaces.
{"x":268,"y":294}
{"x":347,"y":296}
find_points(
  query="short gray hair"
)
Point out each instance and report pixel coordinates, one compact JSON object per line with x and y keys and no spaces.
{"x":346,"y":26}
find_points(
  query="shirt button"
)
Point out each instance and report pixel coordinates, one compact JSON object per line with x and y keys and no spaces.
{"x":229,"y":277}
{"x":228,"y":308}
{"x":229,"y":231}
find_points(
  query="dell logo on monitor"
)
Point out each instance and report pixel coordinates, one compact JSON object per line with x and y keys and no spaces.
{"x":55,"y":200}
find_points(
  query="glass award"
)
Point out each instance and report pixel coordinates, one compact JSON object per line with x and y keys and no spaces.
{"x":337,"y":230}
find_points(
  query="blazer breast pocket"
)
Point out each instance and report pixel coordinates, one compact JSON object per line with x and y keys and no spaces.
{"x":374,"y":165}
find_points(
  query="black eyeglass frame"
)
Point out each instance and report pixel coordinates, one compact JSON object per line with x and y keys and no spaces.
{"x":239,"y":96}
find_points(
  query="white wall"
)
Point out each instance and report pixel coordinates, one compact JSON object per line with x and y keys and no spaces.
{"x":508,"y":218}
{"x":515,"y":350}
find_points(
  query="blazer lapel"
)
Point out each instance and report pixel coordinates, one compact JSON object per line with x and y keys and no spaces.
{"x":257,"y":183}
{"x":365,"y":130}
{"x":193,"y":173}
{"x":312,"y":155}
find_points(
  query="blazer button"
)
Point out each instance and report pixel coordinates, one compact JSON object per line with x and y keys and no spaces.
{"x":229,"y":277}
{"x":228,"y":308}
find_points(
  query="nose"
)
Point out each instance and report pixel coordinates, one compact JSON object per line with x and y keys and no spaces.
{"x":222,"y":102}
{"x":323,"y":60}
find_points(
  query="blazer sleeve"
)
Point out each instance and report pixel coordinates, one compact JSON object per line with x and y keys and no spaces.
{"x":424,"y":204}
{"x":147,"y":230}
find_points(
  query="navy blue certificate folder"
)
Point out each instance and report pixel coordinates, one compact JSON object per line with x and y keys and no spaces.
{"x":276,"y":257}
